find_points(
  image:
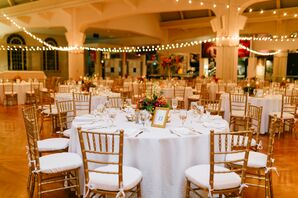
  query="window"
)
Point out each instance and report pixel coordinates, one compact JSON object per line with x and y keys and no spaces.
{"x":51,"y":57}
{"x":17,"y":59}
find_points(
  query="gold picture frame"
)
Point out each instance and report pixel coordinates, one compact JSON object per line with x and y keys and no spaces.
{"x":160,"y":117}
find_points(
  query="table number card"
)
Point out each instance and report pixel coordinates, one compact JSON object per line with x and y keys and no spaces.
{"x":160,"y":117}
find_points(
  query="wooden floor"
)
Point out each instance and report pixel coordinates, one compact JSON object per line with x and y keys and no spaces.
{"x":13,"y":161}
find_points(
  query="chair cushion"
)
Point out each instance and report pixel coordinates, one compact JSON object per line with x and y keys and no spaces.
{"x":180,"y":98}
{"x":239,"y":141}
{"x":199,"y":175}
{"x":131,"y":177}
{"x":237,"y":113}
{"x":285,"y":115}
{"x":255,"y":159}
{"x":10,"y":93}
{"x":52,"y":144}
{"x":194,"y":97}
{"x":48,"y":112}
{"x":67,"y":132}
{"x":59,"y":162}
{"x":30,"y":92}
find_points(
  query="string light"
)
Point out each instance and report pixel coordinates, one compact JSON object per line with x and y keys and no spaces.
{"x":260,"y":53}
{"x":80,"y":49}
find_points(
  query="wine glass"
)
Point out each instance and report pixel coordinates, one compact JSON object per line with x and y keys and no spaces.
{"x":174,"y":104}
{"x":183,"y":116}
{"x":112,"y":115}
{"x":144,"y":115}
{"x":255,"y":92}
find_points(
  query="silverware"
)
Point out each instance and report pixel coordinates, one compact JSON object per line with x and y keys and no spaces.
{"x":172,"y":132}
{"x":195,"y":131}
{"x":139,"y":133}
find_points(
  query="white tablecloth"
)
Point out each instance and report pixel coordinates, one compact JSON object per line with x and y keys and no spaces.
{"x":270,"y":103}
{"x":21,"y":89}
{"x":161,"y":156}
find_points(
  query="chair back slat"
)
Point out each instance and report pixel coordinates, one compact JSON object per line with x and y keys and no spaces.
{"x":254,"y":120}
{"x":238,"y":102}
{"x":102,"y":149}
{"x":82,"y":102}
{"x":223,"y":143}
{"x":66,"y":113}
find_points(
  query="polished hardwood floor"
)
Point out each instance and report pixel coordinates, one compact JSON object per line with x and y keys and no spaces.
{"x":13,"y":161}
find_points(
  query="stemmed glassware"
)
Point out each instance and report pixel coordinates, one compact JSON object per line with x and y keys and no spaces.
{"x":183,"y":116}
{"x":174,"y":104}
{"x":144,"y":116}
{"x":112,"y":115}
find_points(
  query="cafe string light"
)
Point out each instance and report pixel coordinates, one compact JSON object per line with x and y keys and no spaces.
{"x":260,"y":53}
{"x":149,"y":48}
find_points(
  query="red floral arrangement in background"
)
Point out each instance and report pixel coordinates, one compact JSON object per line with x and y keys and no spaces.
{"x":150,"y":104}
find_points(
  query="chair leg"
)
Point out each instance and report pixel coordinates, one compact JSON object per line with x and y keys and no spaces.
{"x":39,"y":186}
{"x":270,"y":185}
{"x":78,"y":188}
{"x":32,"y":187}
{"x":139,"y":192}
{"x":187,"y":189}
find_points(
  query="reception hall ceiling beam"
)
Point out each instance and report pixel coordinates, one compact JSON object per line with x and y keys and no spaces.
{"x":97,"y":7}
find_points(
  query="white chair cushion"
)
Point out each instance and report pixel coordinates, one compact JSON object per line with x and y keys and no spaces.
{"x":239,"y":141}
{"x":30,"y":92}
{"x":255,"y":159}
{"x":52,"y":144}
{"x":48,"y":112}
{"x":10,"y":93}
{"x":194,"y":97}
{"x":67,"y":132}
{"x":237,"y":113}
{"x":131,"y":177}
{"x":285,"y":115}
{"x":199,"y":175}
{"x":59,"y":162}
{"x":180,"y":98}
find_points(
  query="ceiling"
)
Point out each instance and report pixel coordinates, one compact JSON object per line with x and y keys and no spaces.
{"x":182,"y":23}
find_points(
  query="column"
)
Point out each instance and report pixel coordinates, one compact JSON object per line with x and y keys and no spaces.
{"x":280,"y":62}
{"x":227,"y":24}
{"x":144,"y":66}
{"x":251,"y":68}
{"x":124,"y":67}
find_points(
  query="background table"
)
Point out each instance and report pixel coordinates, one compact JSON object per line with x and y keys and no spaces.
{"x":270,"y":103}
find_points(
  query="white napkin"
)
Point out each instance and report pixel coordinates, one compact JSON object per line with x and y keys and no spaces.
{"x":215,"y":117}
{"x":131,"y":131}
{"x":97,"y":125}
{"x":216,"y":125}
{"x":182,"y":131}
{"x":85,"y":118}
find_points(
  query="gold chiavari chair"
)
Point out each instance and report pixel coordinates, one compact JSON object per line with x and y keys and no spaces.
{"x":66,"y":114}
{"x":295,"y":92}
{"x":204,"y":94}
{"x":10,"y":96}
{"x":238,"y":108}
{"x":212,"y":106}
{"x":196,"y":97}
{"x":48,"y":110}
{"x":179,"y":94}
{"x":30,"y":95}
{"x":215,"y":178}
{"x":287,"y":114}
{"x":82,"y":102}
{"x":107,"y":175}
{"x":49,"y":169}
{"x":115,"y":102}
{"x":259,"y":165}
{"x":254,"y":121}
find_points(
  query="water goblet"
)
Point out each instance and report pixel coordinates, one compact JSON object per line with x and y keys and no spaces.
{"x":174,"y":104}
{"x":183,"y":116}
{"x":112,"y":115}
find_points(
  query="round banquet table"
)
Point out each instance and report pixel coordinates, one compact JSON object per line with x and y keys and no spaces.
{"x":270,"y":103}
{"x":161,"y":156}
{"x":95,"y":99}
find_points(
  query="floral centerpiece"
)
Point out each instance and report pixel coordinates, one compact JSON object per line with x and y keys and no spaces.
{"x":86,"y":84}
{"x":150,"y":104}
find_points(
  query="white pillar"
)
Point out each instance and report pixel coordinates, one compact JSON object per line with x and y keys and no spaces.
{"x":75,"y":58}
{"x":280,"y":62}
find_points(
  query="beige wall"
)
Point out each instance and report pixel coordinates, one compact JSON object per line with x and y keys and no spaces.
{"x":35,"y":58}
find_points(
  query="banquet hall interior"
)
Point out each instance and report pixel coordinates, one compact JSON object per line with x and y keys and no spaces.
{"x":148,"y":98}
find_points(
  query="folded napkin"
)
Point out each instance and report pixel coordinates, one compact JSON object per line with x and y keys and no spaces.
{"x":131,"y":132}
{"x":83,"y":118}
{"x":216,"y":125}
{"x":215,"y":117}
{"x":182,"y":131}
{"x":96,"y":125}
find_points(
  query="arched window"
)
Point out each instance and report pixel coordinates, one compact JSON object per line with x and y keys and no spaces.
{"x":51,"y":57}
{"x":17,"y":59}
